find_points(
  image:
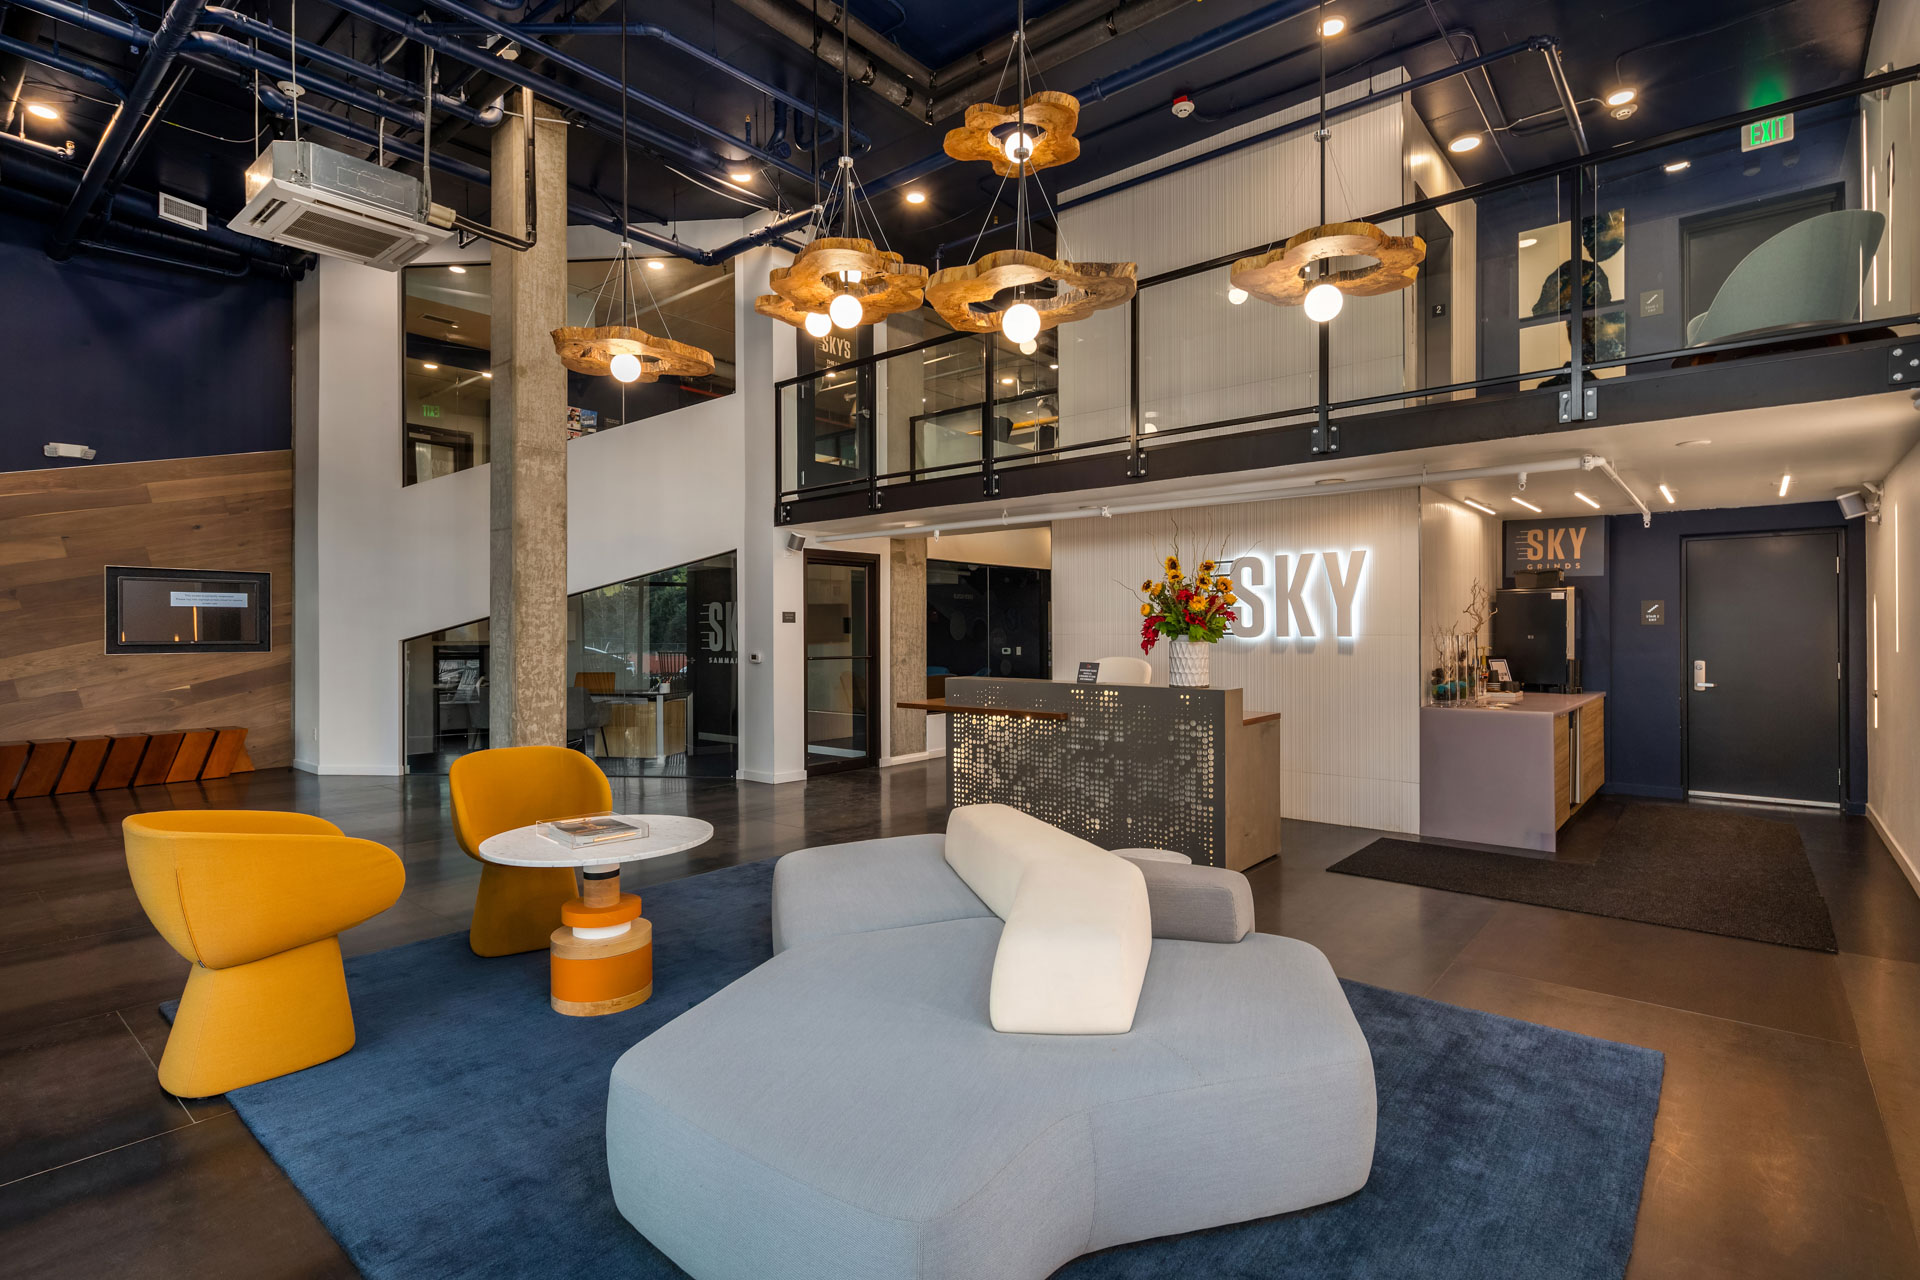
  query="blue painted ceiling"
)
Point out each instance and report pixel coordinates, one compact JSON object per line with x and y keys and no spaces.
{"x":1690,"y":61}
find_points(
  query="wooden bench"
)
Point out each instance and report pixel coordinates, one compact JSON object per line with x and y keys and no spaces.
{"x":60,"y":766}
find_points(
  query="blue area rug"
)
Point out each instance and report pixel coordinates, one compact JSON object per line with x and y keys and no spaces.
{"x":464,"y":1135}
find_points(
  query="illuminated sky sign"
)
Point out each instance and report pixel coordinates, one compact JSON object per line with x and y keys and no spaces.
{"x":1577,"y":546}
{"x":1291,"y":594}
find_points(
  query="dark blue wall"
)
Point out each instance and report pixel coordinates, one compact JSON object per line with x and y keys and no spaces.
{"x":139,"y":361}
{"x":1644,"y":669}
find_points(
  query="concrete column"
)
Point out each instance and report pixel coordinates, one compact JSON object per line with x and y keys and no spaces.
{"x":528,"y":527}
{"x":907,"y":643}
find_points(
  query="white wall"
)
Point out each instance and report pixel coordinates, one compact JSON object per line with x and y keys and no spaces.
{"x":1349,"y":708}
{"x":1458,"y":547}
{"x":377,"y":562}
{"x":1203,"y":359}
{"x":1017,"y":548}
{"x":1893,"y":658}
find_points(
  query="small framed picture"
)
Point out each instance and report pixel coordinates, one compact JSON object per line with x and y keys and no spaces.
{"x":1497,"y":668}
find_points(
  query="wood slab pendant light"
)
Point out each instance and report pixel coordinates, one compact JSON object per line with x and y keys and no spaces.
{"x":624,"y":350}
{"x":841,"y":281}
{"x":1281,"y":275}
{"x":1018,"y":291}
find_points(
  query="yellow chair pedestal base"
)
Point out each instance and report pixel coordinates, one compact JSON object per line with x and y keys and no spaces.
{"x":515,"y":908}
{"x":259,"y":1020}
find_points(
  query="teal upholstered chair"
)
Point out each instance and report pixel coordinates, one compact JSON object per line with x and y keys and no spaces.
{"x":1805,"y":276}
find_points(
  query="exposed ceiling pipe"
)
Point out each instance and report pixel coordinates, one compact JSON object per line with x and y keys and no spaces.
{"x":1049,"y":26}
{"x":1117,"y":20}
{"x":61,"y":62}
{"x":652,"y":31}
{"x":268,"y":34}
{"x":13,"y":78}
{"x":1593,"y":462}
{"x":54,"y":151}
{"x":861,"y":67}
{"x":175,"y":26}
{"x":876,"y":44}
{"x":148,"y":127}
{"x":1557,"y":72}
{"x":1270,"y":15}
{"x":1254,"y":491}
{"x":594,"y":75}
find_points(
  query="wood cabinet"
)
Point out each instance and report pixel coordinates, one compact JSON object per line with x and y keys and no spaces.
{"x":1592,"y":720}
{"x":1579,"y":757}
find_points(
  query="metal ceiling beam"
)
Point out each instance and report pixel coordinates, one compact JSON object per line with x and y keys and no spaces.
{"x":175,"y":26}
{"x":1114,"y":21}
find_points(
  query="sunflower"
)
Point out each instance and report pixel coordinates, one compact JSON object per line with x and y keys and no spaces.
{"x":1147,"y":587}
{"x":1208,"y":566}
{"x":1146,"y":610}
{"x":1173,"y":565}
{"x":1232,"y":599}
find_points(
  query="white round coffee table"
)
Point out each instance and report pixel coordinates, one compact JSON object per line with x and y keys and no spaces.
{"x":602,"y":953}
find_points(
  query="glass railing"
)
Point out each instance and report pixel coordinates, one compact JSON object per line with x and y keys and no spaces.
{"x":1774,"y":231}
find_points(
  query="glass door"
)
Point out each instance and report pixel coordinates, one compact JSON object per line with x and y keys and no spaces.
{"x":842,"y":625}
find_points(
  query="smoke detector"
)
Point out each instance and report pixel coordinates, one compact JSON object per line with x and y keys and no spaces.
{"x":1182,"y":106}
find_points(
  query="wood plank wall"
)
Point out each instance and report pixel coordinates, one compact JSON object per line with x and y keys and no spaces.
{"x":60,"y":527}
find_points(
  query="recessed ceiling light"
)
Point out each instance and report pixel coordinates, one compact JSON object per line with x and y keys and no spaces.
{"x":42,"y":110}
{"x":1584,"y":498}
{"x":1689,"y":444}
{"x":1529,"y":242}
{"x":1528,"y":505}
{"x":1333,"y":26}
{"x":1667,"y":494}
{"x":1465,"y":142}
{"x":1006,"y":382}
{"x":655,"y":264}
{"x":487,"y":375}
{"x":1480,"y":506}
{"x":916,"y":197}
{"x":1621,"y":97}
{"x":741,"y":176}
{"x":1053,"y":366}
{"x":1784,"y":482}
{"x":428,"y":366}
{"x":1677,"y":166}
{"x":459,"y":271}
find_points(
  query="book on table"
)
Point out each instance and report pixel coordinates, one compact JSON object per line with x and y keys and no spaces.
{"x":592,"y":829}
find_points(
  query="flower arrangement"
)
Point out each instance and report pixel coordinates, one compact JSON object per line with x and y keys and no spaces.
{"x":1179,"y":607}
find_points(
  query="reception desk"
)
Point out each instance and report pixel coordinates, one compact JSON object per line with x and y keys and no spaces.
{"x":1123,"y":766}
{"x":1510,"y":775}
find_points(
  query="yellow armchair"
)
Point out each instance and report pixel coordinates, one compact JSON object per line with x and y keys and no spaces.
{"x":518,"y":908}
{"x":255,"y":900}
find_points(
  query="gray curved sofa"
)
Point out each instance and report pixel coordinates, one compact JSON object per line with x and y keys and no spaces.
{"x":846,"y":1110}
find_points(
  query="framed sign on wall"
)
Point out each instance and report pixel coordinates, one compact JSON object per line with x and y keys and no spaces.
{"x":1577,"y":546}
{"x":188,"y":611}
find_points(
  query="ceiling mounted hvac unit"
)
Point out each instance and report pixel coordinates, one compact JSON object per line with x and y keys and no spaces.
{"x":313,"y":198}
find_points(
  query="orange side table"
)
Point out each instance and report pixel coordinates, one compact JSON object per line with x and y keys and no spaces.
{"x":602,"y":953}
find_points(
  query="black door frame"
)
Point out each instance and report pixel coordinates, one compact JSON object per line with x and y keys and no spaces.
{"x":1841,"y":763}
{"x":875,"y":656}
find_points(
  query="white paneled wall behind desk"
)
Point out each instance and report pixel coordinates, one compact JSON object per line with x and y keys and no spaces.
{"x":1349,"y":708}
{"x":1203,"y":359}
{"x":1458,"y":548}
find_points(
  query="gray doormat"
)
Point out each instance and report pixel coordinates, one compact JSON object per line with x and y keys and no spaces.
{"x":1685,"y":866}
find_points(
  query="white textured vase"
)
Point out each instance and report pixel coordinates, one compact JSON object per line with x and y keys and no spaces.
{"x":1187,"y":663}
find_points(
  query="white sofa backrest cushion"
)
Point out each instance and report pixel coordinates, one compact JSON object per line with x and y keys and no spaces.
{"x":1078,"y":931}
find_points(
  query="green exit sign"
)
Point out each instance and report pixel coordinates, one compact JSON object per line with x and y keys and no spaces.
{"x":1770,"y":132}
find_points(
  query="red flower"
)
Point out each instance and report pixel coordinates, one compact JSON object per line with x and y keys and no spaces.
{"x":1183,"y":595}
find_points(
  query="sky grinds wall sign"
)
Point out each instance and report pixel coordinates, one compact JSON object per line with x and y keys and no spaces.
{"x":1577,"y":546}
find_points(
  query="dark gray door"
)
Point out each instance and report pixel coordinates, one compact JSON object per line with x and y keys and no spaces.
{"x":1764,"y":666}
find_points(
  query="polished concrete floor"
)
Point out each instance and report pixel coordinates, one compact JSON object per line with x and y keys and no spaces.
{"x":1788,"y":1142}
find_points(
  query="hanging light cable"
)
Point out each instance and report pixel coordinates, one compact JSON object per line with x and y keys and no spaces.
{"x":622,"y":349}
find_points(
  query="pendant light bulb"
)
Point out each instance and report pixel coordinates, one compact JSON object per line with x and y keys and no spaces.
{"x":818,"y":325}
{"x":1029,"y":347}
{"x":851,"y":277}
{"x":1323,"y":303}
{"x":1018,"y":146}
{"x":1236,"y":295}
{"x":845,"y":310}
{"x":625,"y":367}
{"x":1021,"y":323}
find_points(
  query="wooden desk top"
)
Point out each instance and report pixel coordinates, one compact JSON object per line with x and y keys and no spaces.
{"x":940,"y":706}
